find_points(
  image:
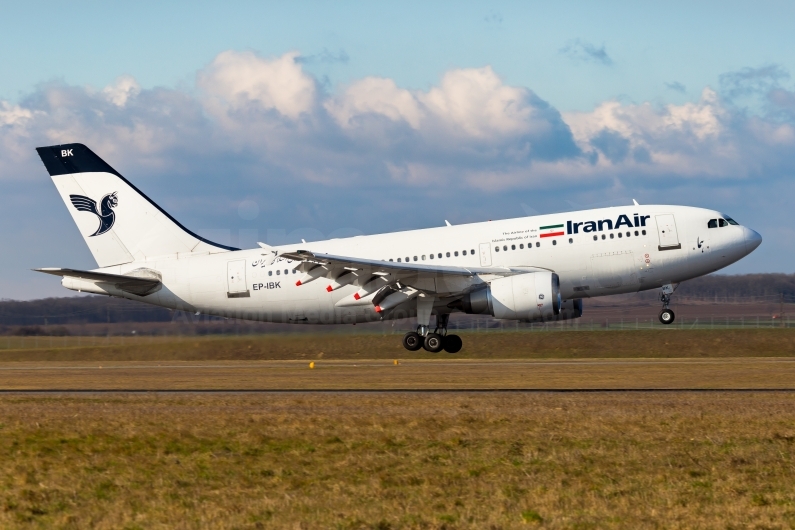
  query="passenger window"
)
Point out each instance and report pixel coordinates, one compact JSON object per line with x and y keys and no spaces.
{"x":407,"y":259}
{"x":636,"y":232}
{"x":643,"y":232}
{"x":415,"y":258}
{"x":440,"y":255}
{"x":505,"y":247}
{"x":448,"y":254}
{"x":398,"y":260}
{"x":722,"y":223}
{"x":513,"y":247}
{"x":538,"y":243}
{"x":629,"y":234}
{"x":611,"y":236}
{"x":423,"y":257}
{"x":713,"y":223}
{"x":521,"y":246}
{"x":595,"y":238}
{"x":431,"y":256}
{"x":277,"y":272}
{"x":603,"y":236}
{"x":456,"y":253}
{"x":472,"y":251}
{"x":619,"y":234}
{"x":390,"y":259}
{"x":286,"y":271}
{"x":465,"y":253}
{"x":554,"y":241}
{"x":571,"y":240}
{"x":270,"y":273}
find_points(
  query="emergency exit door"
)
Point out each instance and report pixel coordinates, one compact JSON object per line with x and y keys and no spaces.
{"x":485,"y":254}
{"x":666,"y":230}
{"x":236,"y":279}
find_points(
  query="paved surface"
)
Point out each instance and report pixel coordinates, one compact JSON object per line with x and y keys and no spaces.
{"x":414,"y":375}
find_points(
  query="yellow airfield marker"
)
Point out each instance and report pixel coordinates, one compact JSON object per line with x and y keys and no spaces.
{"x":396,"y":362}
{"x":311,"y":365}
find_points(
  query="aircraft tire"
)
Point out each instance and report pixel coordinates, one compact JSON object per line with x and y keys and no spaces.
{"x":667,"y":316}
{"x":453,"y":344}
{"x":412,"y":341}
{"x":433,"y":342}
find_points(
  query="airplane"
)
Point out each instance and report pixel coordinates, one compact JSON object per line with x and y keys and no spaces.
{"x":529,"y":269}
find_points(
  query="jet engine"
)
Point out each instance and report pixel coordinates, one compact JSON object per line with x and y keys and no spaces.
{"x":530,"y":297}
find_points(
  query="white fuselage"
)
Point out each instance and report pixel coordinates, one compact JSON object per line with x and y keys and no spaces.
{"x":593,"y":256}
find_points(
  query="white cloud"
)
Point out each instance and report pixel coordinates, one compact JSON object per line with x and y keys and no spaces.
{"x":236,"y":80}
{"x":472,"y":130}
{"x":375,"y":95}
{"x":123,"y":89}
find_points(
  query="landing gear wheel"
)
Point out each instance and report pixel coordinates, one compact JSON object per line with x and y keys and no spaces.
{"x":433,"y":342}
{"x":453,"y":344}
{"x":667,"y":316}
{"x":412,"y":341}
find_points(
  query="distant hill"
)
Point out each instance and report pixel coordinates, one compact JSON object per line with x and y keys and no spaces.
{"x":102,"y":309}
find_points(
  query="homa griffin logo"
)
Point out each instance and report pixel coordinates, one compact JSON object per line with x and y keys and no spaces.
{"x":597,"y":226}
{"x":105,"y":212}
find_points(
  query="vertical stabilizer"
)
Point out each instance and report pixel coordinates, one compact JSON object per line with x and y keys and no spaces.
{"x":118,"y":222}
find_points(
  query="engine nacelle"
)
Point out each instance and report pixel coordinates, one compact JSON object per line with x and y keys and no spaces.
{"x":533,"y":296}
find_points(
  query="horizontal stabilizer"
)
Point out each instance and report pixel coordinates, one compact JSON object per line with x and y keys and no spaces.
{"x":140,"y":282}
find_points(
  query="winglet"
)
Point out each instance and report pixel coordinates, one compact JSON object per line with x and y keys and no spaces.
{"x":635,"y":202}
{"x":447,"y":222}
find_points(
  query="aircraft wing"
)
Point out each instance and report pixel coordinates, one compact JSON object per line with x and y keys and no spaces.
{"x":374,"y":275}
{"x":376,"y":266}
{"x":140,"y":282}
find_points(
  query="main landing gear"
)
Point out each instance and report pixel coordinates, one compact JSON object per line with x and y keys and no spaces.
{"x":434,"y":341}
{"x":666,"y":315}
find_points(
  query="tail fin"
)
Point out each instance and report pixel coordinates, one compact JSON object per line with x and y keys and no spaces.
{"x":118,"y":222}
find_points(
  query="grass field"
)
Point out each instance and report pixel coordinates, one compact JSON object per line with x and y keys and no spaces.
{"x":382,"y":461}
{"x":662,"y":343}
{"x":404,"y":460}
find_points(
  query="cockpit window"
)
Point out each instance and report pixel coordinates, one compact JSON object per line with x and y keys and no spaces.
{"x":713,"y":223}
{"x":732,"y":221}
{"x":722,"y":223}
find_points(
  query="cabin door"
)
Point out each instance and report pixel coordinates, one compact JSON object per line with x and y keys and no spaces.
{"x":236,"y":279}
{"x":666,"y":230}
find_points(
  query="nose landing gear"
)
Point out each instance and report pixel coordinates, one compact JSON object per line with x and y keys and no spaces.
{"x":667,"y":315}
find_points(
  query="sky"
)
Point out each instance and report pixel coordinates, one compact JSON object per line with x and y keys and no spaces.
{"x":260,"y":121}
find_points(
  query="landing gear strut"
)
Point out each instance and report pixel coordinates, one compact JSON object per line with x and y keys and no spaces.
{"x":666,"y":315}
{"x":433,"y":341}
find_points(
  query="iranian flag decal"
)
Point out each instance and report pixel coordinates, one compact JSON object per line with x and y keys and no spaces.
{"x":551,"y":231}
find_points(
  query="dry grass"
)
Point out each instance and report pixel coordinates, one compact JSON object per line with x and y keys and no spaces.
{"x":399,"y":461}
{"x":660,"y":343}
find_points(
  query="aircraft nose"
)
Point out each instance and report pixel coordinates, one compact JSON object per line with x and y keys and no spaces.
{"x":752,"y":239}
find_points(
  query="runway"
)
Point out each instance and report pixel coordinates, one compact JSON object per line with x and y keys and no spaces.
{"x":602,"y":375}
